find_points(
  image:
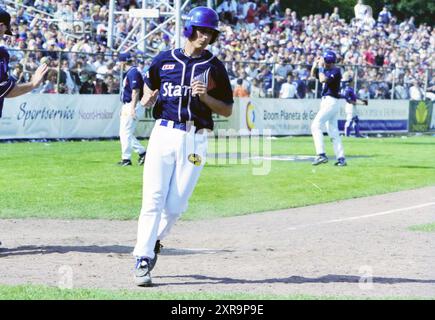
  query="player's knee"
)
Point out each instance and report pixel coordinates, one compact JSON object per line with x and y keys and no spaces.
{"x":315,"y":126}
{"x":153,"y":205}
{"x":175,"y":208}
{"x":173,"y":214}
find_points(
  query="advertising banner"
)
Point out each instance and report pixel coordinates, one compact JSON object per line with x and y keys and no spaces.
{"x":420,"y":116}
{"x":294,"y":117}
{"x":38,"y":116}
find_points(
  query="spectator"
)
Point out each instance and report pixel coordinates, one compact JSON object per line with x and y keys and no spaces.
{"x":288,"y":89}
{"x":50,"y":82}
{"x":239,"y":90}
{"x":88,"y":86}
{"x":360,"y":10}
{"x":165,"y":44}
{"x":415,"y":92}
{"x":101,"y":86}
{"x":335,"y":16}
{"x":380,"y":58}
{"x":385,"y":16}
{"x":364,"y":93}
{"x":69,"y":79}
{"x":256,"y":90}
{"x":275,"y":9}
{"x":18,"y":74}
{"x":227,"y":11}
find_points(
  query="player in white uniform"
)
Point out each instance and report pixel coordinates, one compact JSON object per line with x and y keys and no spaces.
{"x":330,"y":76}
{"x":352,"y":120}
{"x":132,"y":89}
{"x":186,"y":85}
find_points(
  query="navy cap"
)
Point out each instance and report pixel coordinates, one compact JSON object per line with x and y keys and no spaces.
{"x":125,"y":57}
{"x":6,"y":19}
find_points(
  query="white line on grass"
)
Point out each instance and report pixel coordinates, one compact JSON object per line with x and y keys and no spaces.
{"x":428,"y":204}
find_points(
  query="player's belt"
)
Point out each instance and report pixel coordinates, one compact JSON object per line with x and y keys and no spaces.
{"x":173,"y":124}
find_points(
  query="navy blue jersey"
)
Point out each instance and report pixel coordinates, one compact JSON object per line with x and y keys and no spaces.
{"x":348,"y":94}
{"x":332,"y":85}
{"x":6,"y":83}
{"x":172,"y":73}
{"x":132,"y":80}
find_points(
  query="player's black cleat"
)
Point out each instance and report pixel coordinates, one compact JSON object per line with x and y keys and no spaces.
{"x":321,"y":158}
{"x":157,"y":249}
{"x":124,"y":163}
{"x":141,"y":159}
{"x":341,"y":162}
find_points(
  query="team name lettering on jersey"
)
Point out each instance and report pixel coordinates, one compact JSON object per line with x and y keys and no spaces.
{"x":169,"y":90}
{"x":168,"y":67}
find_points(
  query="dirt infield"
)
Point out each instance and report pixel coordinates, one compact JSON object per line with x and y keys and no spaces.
{"x":358,"y":247}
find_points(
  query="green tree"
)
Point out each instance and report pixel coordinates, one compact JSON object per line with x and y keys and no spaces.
{"x":421,"y":10}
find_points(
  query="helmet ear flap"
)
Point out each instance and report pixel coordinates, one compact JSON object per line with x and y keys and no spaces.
{"x":188,"y":31}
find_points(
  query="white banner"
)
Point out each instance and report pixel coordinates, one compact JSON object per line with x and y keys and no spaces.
{"x":294,"y":117}
{"x":37,"y":116}
{"x":52,"y":116}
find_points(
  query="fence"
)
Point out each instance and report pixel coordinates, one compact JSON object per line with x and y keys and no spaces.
{"x":97,"y":73}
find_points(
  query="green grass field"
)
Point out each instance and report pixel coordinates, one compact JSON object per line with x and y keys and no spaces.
{"x":69,"y":180}
{"x":33,"y":292}
{"x":430,"y":227}
{"x":81,"y":180}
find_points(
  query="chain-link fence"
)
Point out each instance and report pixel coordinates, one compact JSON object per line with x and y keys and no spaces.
{"x":98,"y":73}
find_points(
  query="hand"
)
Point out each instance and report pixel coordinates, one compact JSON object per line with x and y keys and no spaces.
{"x":39,"y":74}
{"x":320,"y":62}
{"x":198,"y":88}
{"x":149,"y":98}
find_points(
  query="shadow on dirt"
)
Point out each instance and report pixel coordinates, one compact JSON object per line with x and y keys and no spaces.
{"x":330,"y":278}
{"x":116,"y":249}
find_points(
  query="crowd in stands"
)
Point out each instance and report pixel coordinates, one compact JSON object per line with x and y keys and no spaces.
{"x":268,"y":49}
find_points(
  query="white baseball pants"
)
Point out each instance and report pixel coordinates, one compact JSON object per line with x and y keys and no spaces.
{"x":168,"y":182}
{"x":327,"y":116}
{"x":349,"y":109}
{"x":127,"y":126}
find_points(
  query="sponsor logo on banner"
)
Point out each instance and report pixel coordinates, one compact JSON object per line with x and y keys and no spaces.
{"x":30,"y":114}
{"x":420,"y":116}
{"x":45,"y":116}
{"x":250,"y":116}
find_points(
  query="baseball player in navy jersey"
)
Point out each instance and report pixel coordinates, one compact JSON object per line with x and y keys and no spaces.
{"x":186,"y":85}
{"x":329,"y":75}
{"x":8,"y":87}
{"x":350,"y":108}
{"x":132,"y":89}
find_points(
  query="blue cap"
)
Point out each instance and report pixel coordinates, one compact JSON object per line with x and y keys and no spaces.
{"x":125,"y":57}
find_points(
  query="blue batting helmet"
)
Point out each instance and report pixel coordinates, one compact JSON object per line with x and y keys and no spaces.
{"x":330,"y":57}
{"x":202,"y":17}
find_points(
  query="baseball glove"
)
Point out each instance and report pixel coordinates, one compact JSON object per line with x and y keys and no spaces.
{"x":365,"y":101}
